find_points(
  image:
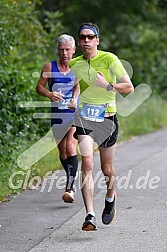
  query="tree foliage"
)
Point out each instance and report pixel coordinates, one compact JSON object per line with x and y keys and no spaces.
{"x":135,"y":31}
{"x":24,"y":46}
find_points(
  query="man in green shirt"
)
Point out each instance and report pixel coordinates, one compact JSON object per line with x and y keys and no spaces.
{"x":97,"y":75}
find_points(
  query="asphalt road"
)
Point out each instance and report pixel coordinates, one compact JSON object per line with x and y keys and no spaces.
{"x":38,"y":220}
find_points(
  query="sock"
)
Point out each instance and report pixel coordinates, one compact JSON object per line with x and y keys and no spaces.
{"x":72,"y":170}
{"x":109,"y":199}
{"x":92,"y":213}
{"x":73,"y":162}
{"x":64,"y":164}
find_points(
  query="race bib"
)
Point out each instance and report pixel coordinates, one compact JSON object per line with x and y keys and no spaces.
{"x":66,"y":90}
{"x":64,"y":104}
{"x":93,"y":112}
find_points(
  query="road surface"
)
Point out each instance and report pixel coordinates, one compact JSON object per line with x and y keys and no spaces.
{"x":39,"y":221}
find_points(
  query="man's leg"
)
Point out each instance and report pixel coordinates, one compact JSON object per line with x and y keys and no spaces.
{"x":72,"y":158}
{"x":106,"y":157}
{"x":69,"y":160}
{"x":67,"y":153}
{"x":63,"y":156}
{"x":86,"y":149}
{"x":68,"y":195}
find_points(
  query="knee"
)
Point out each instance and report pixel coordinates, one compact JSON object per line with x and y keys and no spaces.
{"x":87,"y":165}
{"x":108,"y":170}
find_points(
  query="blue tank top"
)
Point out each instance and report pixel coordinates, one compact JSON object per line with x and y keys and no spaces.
{"x":64,"y":84}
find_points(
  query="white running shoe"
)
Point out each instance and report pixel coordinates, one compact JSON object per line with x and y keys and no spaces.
{"x":68,"y":196}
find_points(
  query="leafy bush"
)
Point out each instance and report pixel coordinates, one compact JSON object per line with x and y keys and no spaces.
{"x":23,"y":50}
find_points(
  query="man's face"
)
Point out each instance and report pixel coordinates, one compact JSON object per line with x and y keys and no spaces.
{"x":87,"y":40}
{"x":65,"y":51}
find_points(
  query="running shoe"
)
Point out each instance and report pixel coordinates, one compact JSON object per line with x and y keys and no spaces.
{"x":109,"y":211}
{"x":89,"y":223}
{"x":68,"y":196}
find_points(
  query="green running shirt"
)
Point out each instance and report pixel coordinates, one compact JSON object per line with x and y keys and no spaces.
{"x":86,"y":71}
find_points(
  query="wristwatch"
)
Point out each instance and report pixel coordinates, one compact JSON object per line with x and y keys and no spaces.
{"x":109,"y":87}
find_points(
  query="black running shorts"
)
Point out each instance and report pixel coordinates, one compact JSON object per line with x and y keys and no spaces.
{"x":104,"y":133}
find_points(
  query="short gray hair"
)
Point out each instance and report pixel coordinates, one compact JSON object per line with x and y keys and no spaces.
{"x":67,"y":39}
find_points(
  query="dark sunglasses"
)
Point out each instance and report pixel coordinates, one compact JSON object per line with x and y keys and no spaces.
{"x":90,"y":36}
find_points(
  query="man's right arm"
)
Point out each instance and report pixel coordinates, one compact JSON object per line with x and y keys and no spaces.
{"x":41,"y":85}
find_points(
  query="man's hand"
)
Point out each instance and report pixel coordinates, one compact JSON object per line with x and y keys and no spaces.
{"x":56,"y":96}
{"x":100,"y":80}
{"x":72,"y":104}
